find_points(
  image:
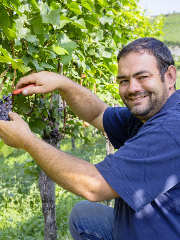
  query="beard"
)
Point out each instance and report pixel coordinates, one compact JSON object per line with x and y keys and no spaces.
{"x":144,"y":104}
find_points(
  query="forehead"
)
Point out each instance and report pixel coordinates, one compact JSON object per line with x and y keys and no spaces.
{"x":137,"y":61}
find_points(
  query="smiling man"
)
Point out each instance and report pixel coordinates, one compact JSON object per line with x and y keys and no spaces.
{"x":143,"y":175}
{"x":142,"y":87}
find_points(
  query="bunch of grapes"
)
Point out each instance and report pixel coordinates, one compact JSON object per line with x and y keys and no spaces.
{"x":55,"y":134}
{"x":5,"y":107}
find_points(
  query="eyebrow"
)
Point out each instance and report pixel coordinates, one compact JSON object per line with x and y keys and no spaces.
{"x":119,"y":77}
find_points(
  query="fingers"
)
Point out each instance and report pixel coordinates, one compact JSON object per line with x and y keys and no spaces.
{"x":43,"y":82}
{"x":32,"y":90}
{"x":29,"y":79}
{"x":14,"y":116}
{"x":36,"y":80}
{"x":25,"y":81}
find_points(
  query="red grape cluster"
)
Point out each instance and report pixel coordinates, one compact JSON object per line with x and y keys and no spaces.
{"x":5,"y":107}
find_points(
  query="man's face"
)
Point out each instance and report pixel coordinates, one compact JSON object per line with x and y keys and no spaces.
{"x":140,"y":85}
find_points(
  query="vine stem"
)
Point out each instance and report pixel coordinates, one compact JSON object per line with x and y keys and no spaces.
{"x":65,"y":117}
{"x":14,"y":78}
{"x":2,"y":75}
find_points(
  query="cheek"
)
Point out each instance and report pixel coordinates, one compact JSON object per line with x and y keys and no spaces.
{"x":123,"y":90}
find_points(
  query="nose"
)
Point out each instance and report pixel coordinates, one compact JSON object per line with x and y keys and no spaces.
{"x":134,"y":85}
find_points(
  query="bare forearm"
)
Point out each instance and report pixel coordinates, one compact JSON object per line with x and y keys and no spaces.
{"x":73,"y":174}
{"x":83,"y":102}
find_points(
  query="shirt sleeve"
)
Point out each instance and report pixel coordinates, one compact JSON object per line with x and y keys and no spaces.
{"x":115,"y":122}
{"x":145,"y":166}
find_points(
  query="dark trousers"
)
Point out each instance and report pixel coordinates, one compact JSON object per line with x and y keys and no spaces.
{"x":91,"y":221}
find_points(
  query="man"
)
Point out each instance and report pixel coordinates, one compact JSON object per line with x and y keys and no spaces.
{"x":144,"y":173}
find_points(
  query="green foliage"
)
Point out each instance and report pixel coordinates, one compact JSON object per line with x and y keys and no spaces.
{"x":82,"y":35}
{"x":171,"y":29}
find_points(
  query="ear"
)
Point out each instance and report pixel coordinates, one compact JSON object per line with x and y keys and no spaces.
{"x":170,"y":77}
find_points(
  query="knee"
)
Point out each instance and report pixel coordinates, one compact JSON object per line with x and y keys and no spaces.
{"x":78,"y":211}
{"x":76,"y":219}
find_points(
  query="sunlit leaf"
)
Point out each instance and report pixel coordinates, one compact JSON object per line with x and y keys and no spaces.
{"x":80,"y":23}
{"x":64,"y":20}
{"x":20,"y":66}
{"x":85,"y":4}
{"x":59,"y":50}
{"x":5,"y":59}
{"x":74,"y":7}
{"x":106,"y":19}
{"x":103,"y":3}
{"x":10,"y":33}
{"x":49,"y":15}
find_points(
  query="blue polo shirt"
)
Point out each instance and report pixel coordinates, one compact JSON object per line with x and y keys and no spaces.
{"x":145,"y":172}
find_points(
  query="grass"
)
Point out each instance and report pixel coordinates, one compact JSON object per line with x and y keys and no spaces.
{"x":171,"y":29}
{"x":171,"y":37}
{"x":178,"y":80}
{"x":20,"y":204}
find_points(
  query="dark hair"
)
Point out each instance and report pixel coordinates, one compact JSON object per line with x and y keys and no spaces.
{"x":153,"y":46}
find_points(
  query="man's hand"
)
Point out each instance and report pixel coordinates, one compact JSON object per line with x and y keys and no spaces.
{"x":44,"y":82}
{"x":82,"y":101}
{"x":15,"y":132}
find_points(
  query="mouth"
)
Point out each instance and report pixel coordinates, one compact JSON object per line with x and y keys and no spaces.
{"x":137,"y":99}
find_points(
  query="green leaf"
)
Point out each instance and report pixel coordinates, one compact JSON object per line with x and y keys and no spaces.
{"x":49,"y":16}
{"x":66,"y":59}
{"x":21,"y":30}
{"x":32,"y":38}
{"x":74,"y":7}
{"x":37,"y":125}
{"x":37,"y":65}
{"x":86,"y":5}
{"x":67,"y":43}
{"x":64,"y":20}
{"x":102,"y":3}
{"x":5,"y":59}
{"x":92,"y":19}
{"x":106,"y":19}
{"x":59,"y":50}
{"x":6,"y":150}
{"x":106,"y":54}
{"x":80,"y":23}
{"x":97,"y":36}
{"x":13,"y":5}
{"x":34,"y":5}
{"x":36,"y":25}
{"x":4,"y":52}
{"x":10,"y":33}
{"x":47,"y":66}
{"x":4,"y":18}
{"x":19,"y":65}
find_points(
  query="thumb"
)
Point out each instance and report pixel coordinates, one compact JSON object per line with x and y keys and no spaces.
{"x":14,"y":116}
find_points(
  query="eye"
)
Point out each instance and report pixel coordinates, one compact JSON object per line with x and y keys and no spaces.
{"x":123,"y":82}
{"x":143,"y":77}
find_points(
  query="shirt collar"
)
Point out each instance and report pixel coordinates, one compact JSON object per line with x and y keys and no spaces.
{"x":171,"y":101}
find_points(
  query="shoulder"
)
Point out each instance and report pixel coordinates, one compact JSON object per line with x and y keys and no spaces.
{"x":120,"y":115}
{"x":118,"y":124}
